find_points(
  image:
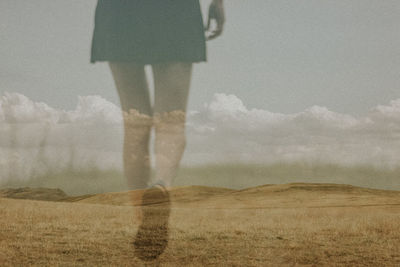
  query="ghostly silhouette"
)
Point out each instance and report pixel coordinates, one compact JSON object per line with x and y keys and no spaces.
{"x":169,"y":36}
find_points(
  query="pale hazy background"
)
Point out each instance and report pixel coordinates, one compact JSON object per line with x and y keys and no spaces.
{"x":283,"y":56}
{"x":306,"y":80}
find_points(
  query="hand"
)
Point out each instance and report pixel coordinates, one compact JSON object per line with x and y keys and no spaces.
{"x":216,"y":12}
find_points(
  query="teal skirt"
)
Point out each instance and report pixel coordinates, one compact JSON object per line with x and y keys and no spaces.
{"x":148,"y":31}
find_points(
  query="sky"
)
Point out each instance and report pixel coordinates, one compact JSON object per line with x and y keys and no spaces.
{"x":283,"y":56}
{"x":305,"y":80}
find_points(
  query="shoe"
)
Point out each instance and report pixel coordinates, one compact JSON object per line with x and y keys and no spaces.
{"x":152,"y":236}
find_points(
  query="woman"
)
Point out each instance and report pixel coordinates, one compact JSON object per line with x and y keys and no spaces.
{"x":169,"y":36}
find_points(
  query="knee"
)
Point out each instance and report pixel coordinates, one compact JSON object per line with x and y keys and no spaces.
{"x":137,"y":121}
{"x":170,"y":128}
{"x":170,"y":123}
{"x":137,"y":132}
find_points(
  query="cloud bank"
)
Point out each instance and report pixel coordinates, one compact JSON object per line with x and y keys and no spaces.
{"x":36,"y":137}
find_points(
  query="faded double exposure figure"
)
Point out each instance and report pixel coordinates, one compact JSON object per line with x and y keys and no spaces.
{"x":169,"y":36}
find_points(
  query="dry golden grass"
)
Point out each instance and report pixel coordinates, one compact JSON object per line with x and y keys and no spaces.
{"x":313,"y":225}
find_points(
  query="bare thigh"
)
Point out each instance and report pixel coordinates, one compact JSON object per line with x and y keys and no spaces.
{"x":133,"y":90}
{"x":171,"y":86}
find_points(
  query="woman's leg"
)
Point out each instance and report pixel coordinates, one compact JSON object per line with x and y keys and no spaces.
{"x":171,"y":83}
{"x":132,"y":87}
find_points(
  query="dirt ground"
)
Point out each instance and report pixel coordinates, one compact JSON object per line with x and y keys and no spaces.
{"x":304,"y":225}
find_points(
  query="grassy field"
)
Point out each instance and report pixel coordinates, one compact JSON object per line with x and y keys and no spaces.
{"x":236,"y":176}
{"x":281,"y":225}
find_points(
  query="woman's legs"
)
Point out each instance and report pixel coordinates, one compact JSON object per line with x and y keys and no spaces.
{"x":132,"y":87}
{"x":171,"y":82}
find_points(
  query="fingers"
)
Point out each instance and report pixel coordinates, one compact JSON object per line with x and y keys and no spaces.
{"x":217,"y":32}
{"x":214,"y":34}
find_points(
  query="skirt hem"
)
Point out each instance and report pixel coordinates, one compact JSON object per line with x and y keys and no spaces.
{"x":199,"y":60}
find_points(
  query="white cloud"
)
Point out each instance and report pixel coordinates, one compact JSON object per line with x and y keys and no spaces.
{"x":95,"y":109}
{"x":224,"y":130}
{"x":17,"y":108}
